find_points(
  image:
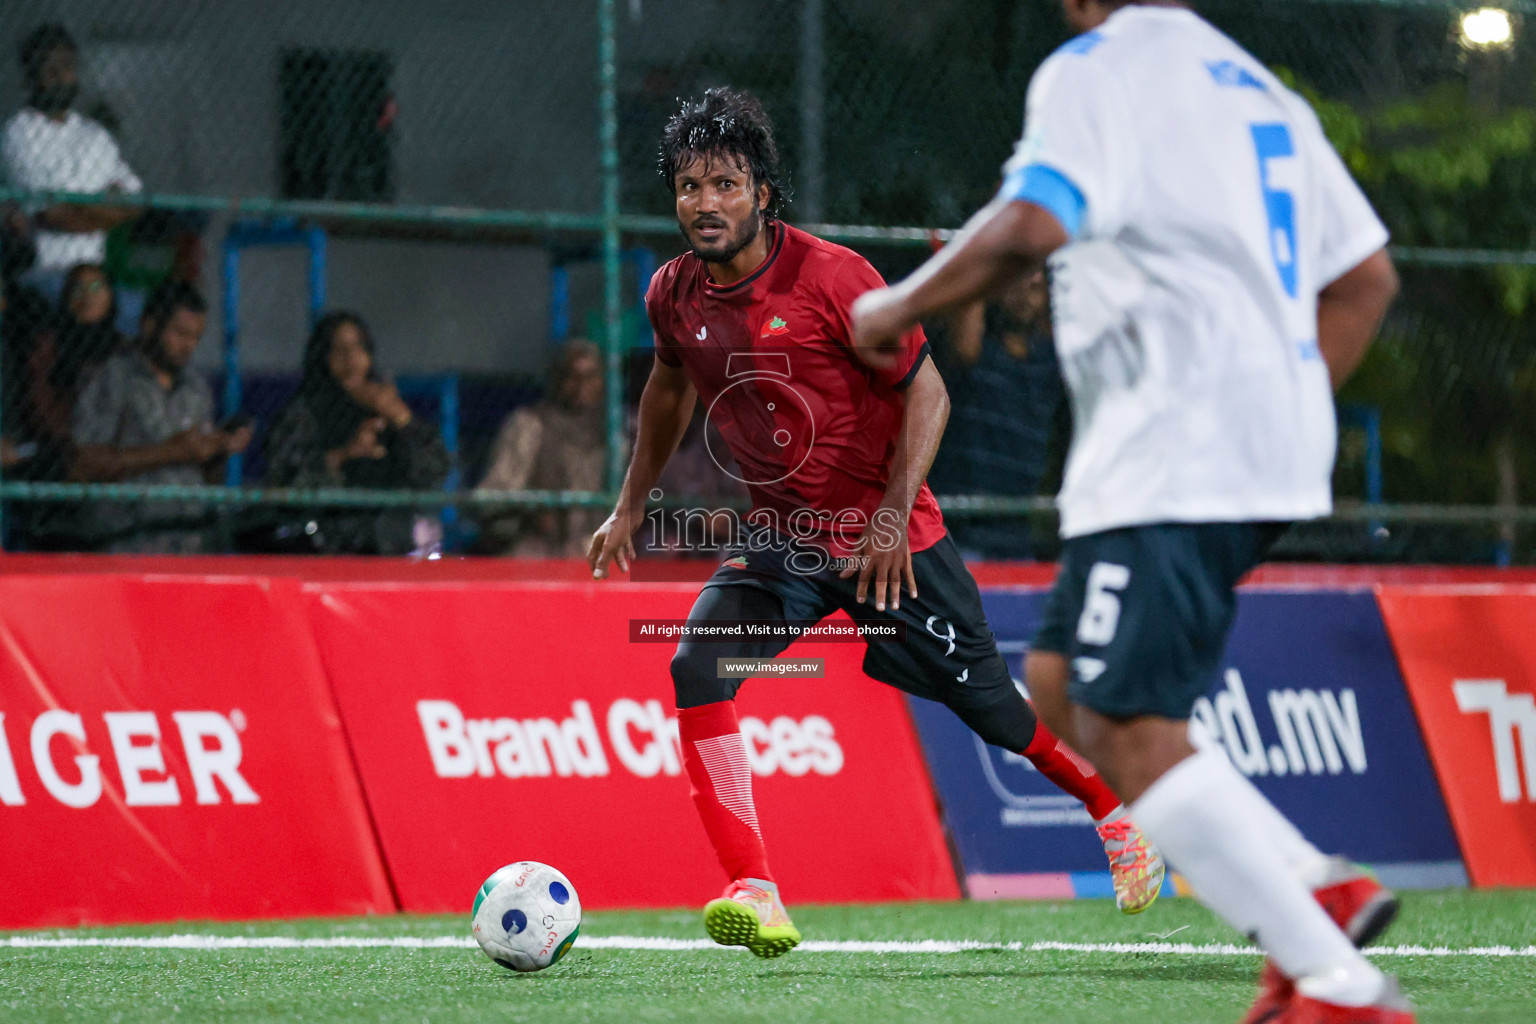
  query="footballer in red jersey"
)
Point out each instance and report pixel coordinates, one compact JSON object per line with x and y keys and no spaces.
{"x":754,"y":322}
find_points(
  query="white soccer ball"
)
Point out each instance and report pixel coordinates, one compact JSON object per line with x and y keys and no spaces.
{"x":526,"y":916}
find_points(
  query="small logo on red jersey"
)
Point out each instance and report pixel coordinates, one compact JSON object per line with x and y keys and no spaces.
{"x":776,"y":326}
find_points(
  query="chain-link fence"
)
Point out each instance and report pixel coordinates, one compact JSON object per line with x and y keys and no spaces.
{"x":475,"y":183}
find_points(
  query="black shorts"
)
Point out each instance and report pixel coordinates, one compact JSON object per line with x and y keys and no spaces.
{"x":1142,"y":613}
{"x":948,"y":655}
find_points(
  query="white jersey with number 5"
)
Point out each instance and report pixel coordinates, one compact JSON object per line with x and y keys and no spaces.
{"x":1207,"y":211}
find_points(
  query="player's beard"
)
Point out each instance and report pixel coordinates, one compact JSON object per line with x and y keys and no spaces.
{"x":729,"y":248}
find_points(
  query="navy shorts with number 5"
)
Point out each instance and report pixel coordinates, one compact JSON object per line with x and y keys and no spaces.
{"x":1142,"y":613}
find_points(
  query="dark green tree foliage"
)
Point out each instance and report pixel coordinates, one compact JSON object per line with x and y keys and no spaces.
{"x":1455,"y":369}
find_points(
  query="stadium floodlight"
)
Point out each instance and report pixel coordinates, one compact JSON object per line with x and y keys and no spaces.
{"x":1487,"y":28}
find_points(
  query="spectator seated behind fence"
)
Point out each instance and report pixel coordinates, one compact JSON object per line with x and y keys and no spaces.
{"x":145,"y":416}
{"x":47,"y":146}
{"x":348,"y":427}
{"x":1005,"y":388}
{"x":22,"y":311}
{"x":555,"y":445}
{"x":53,"y":351}
{"x":78,"y":337}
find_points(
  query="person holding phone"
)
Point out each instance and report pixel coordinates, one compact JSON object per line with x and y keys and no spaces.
{"x":145,"y":416}
{"x":348,"y":427}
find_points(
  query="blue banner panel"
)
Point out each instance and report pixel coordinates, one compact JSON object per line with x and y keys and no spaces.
{"x":1309,"y":704}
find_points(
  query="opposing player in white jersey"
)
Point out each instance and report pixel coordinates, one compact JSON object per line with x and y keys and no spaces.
{"x":1215,"y":270}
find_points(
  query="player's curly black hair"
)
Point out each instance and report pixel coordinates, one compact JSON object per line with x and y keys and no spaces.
{"x":725,"y":123}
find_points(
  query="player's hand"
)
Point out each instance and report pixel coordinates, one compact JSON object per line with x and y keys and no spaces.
{"x":886,"y":564}
{"x":613,"y":543}
{"x":879,"y":322}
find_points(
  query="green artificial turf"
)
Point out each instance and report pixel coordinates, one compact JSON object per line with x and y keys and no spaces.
{"x":102,"y":985}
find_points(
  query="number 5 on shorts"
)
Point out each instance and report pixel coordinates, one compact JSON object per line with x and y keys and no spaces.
{"x":1101,"y":606}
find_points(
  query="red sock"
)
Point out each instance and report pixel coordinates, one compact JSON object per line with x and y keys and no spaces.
{"x":716,"y":759}
{"x":1061,"y":764}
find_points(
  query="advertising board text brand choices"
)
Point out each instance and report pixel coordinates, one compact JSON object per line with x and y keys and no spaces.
{"x":642,"y":737}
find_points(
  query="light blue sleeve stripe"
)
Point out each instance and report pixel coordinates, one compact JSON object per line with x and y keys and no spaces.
{"x":1048,"y":188}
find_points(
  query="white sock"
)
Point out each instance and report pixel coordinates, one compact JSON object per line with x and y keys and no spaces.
{"x":1305,"y":861}
{"x":1212,"y":824}
{"x":1357,"y":984}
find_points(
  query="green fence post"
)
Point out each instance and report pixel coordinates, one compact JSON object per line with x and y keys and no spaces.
{"x":2,"y":420}
{"x":613,"y":314}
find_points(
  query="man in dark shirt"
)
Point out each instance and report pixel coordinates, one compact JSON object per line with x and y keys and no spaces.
{"x":146,"y":417}
{"x":1008,"y":401}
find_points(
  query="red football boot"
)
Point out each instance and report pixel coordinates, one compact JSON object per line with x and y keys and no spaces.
{"x":1390,"y":1008}
{"x":1362,"y":907}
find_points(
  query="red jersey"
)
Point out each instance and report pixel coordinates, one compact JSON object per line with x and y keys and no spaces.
{"x":812,"y":428}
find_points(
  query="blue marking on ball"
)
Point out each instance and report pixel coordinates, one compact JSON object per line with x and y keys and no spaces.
{"x":514,"y":921}
{"x":559,"y":893}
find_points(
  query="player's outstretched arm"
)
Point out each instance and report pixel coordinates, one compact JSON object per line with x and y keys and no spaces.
{"x":1350,"y":312}
{"x":666,"y":406}
{"x":1004,"y":240}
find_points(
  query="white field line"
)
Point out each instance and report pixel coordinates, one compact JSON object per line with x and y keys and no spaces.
{"x":638,"y":942}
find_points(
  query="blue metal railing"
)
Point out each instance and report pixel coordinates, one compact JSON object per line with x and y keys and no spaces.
{"x":249,"y":234}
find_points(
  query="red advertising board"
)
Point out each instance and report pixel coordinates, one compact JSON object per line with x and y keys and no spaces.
{"x":495,"y":722}
{"x":169,"y":749}
{"x":1469,"y":657}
